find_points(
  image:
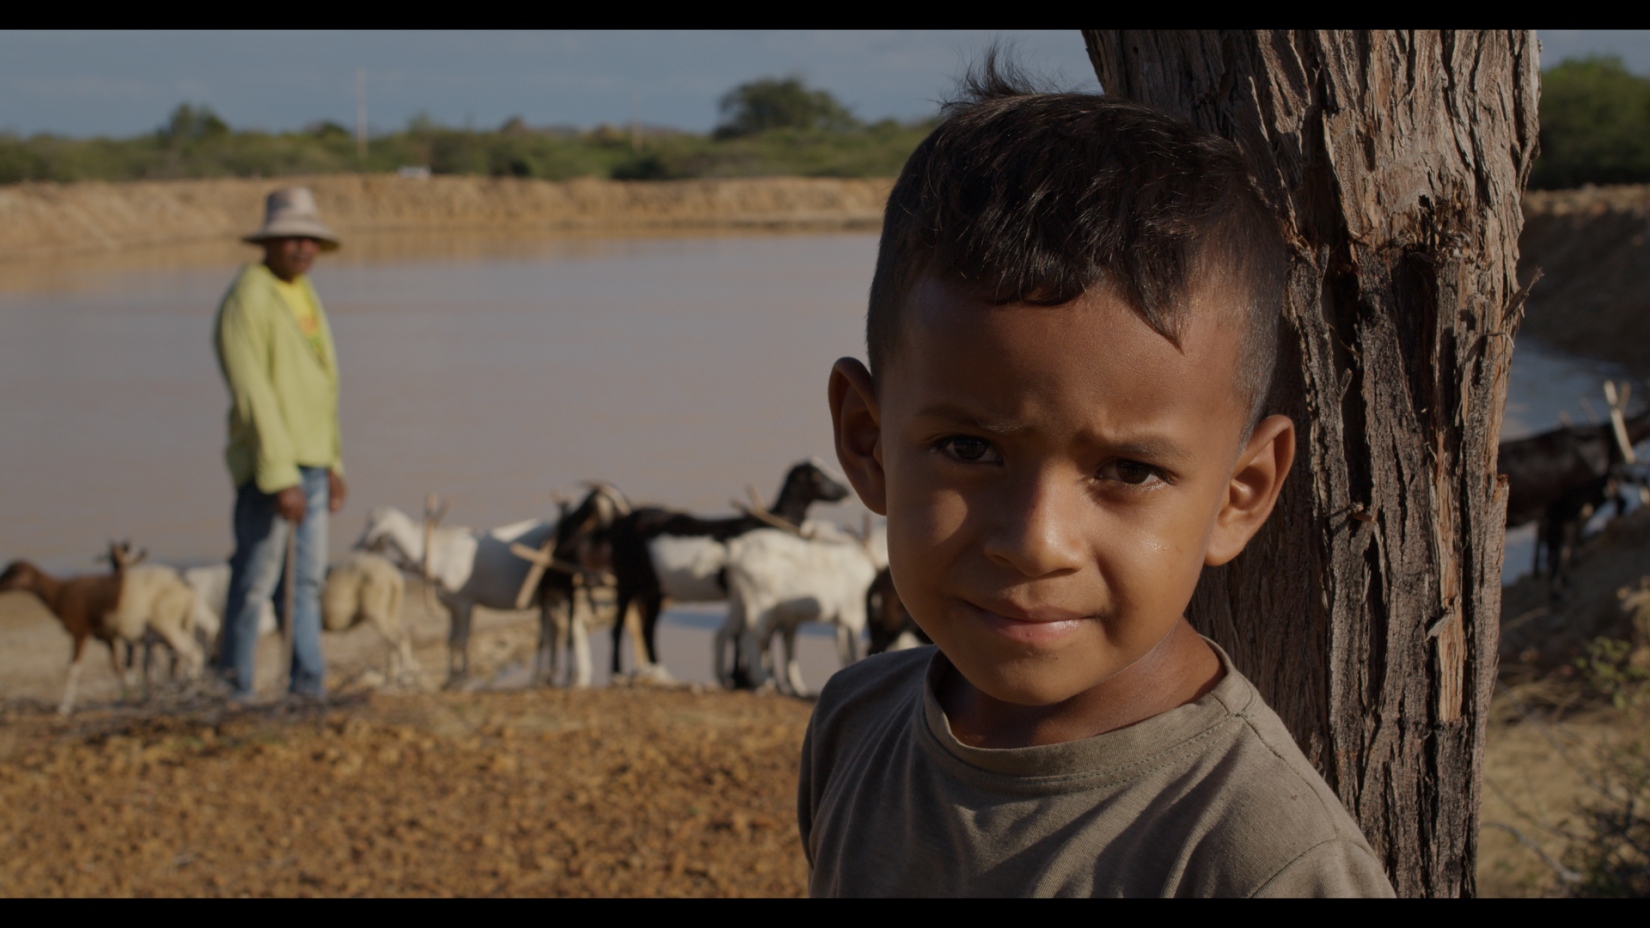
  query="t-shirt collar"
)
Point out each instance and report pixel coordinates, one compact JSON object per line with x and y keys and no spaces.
{"x":1123,"y":753}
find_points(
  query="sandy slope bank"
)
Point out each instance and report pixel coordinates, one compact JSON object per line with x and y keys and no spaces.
{"x":54,"y":220}
{"x":1593,"y":246}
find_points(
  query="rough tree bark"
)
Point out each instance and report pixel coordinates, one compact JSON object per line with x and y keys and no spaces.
{"x":1367,"y":610}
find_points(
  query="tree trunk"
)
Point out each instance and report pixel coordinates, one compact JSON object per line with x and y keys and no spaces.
{"x":1367,"y":610}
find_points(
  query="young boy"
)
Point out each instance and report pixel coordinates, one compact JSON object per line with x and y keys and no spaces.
{"x":1071,"y":335}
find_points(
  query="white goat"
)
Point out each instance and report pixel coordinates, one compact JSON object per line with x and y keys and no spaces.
{"x":366,"y":587}
{"x":361,"y":587}
{"x":777,"y":581}
{"x":211,"y":586}
{"x":475,"y":568}
{"x":156,"y":603}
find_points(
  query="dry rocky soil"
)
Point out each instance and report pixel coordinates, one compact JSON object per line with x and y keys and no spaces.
{"x":616,"y":791}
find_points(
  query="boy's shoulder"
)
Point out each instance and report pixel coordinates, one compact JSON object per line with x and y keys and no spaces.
{"x":876,"y":686}
{"x":1212,"y":798}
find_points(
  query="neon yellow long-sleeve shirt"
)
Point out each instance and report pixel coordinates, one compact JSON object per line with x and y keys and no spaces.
{"x":283,"y":397}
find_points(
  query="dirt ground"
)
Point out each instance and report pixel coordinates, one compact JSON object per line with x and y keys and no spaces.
{"x":612,"y":792}
{"x":1549,"y":730}
{"x":1537,"y":769}
{"x":496,"y":790}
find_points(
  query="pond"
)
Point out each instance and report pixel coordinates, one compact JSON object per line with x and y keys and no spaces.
{"x":493,"y":372}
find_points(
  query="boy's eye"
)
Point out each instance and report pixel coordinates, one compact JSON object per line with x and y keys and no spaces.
{"x":965,"y":448}
{"x":1132,"y":473}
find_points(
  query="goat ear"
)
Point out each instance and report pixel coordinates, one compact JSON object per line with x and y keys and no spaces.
{"x":856,"y":421}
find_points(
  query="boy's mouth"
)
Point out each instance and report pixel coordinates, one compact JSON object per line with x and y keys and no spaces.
{"x":1041,"y":626}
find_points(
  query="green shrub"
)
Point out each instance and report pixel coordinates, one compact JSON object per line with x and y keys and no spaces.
{"x":1595,"y":125}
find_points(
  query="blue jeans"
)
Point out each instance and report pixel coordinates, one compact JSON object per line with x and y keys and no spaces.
{"x":256,"y":573}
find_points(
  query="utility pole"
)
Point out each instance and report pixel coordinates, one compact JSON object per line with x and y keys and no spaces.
{"x":635,"y":122}
{"x":361,"y":112}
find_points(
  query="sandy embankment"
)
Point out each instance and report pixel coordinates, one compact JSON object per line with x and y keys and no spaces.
{"x":44,"y":221}
{"x":1593,"y":247}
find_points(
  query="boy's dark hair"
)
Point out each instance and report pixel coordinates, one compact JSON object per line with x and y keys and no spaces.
{"x":1023,"y":196}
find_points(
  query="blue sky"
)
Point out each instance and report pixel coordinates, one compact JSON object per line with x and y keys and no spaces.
{"x":113,"y":83}
{"x":123,"y":83}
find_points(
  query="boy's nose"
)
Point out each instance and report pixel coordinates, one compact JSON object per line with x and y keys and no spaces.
{"x":1036,"y":530}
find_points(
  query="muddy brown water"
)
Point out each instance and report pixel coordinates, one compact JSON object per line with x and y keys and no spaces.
{"x":491,"y":371}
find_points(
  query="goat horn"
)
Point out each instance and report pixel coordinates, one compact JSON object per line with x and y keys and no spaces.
{"x":1618,"y":427}
{"x":755,"y":508}
{"x":611,"y":492}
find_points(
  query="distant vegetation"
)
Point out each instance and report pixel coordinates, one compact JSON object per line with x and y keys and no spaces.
{"x":773,"y":126}
{"x":1595,"y":128}
{"x":1595,"y":125}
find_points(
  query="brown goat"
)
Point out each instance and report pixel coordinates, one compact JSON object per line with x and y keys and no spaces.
{"x":93,"y":607}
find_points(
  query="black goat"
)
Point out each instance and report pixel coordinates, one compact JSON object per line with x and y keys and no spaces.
{"x":889,"y":619}
{"x":1562,"y":524}
{"x":1560,"y":478}
{"x":568,"y":560}
{"x":657,"y":553}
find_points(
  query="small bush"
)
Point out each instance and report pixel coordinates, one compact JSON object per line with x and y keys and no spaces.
{"x":1595,"y":125}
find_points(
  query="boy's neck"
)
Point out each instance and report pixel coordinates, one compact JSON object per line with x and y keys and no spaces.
{"x":1182,"y":668}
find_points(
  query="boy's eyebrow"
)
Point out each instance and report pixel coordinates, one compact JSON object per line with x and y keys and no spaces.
{"x":1157,"y":448}
{"x":961,"y":416}
{"x":1160,"y":450}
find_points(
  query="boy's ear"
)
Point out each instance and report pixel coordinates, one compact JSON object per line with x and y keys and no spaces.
{"x":857,"y":423}
{"x":1257,"y":478}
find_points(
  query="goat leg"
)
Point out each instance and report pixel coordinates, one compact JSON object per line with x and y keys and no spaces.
{"x":846,"y":645}
{"x":123,"y":674}
{"x":619,"y":619}
{"x":458,"y":646}
{"x":793,"y":667}
{"x":67,"y":705}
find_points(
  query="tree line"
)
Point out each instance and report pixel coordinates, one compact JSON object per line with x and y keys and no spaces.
{"x":772,"y":126}
{"x":1595,"y":128}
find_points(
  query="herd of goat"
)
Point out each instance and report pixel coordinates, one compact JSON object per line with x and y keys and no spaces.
{"x":776,"y":569}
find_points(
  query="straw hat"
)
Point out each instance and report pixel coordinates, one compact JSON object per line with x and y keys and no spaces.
{"x":291,"y":213}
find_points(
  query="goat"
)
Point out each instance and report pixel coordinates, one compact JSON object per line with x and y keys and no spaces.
{"x":1559,"y":478}
{"x":120,"y":607}
{"x":477,"y":568}
{"x":781,"y":580}
{"x":889,"y":622}
{"x":658,"y":554}
{"x":361,"y":587}
{"x":366,"y":587}
{"x":575,"y":556}
{"x":211,"y":586}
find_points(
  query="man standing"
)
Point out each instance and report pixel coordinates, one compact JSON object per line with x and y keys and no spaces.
{"x":284,"y":454}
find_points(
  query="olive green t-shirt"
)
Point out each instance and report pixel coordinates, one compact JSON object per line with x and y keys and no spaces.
{"x":1209,"y":799}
